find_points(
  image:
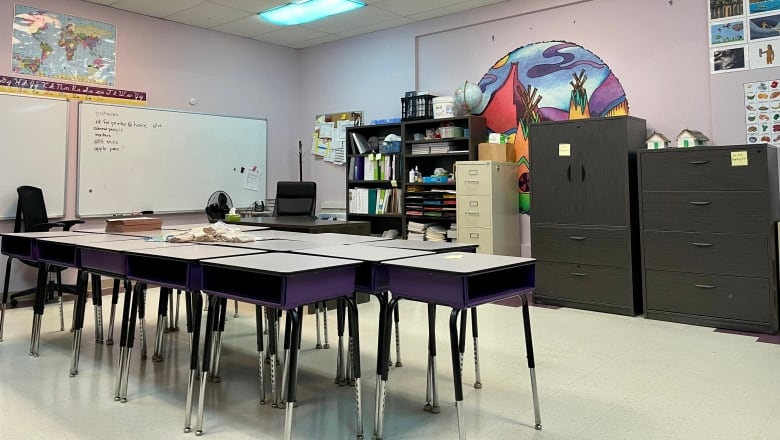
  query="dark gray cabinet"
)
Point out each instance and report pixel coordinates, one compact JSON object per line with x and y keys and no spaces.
{"x":709,"y":243}
{"x":584,"y":230}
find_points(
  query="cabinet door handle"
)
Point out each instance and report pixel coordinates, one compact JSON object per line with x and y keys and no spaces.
{"x":702,"y":244}
{"x":568,"y":173}
{"x":578,"y":238}
{"x":704,"y":286}
{"x":698,"y":162}
{"x":700,"y":203}
{"x":583,"y":172}
{"x":579,"y":274}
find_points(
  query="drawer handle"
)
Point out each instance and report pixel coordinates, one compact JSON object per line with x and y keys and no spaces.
{"x":704,"y":286}
{"x":474,"y":213}
{"x":473,"y":235}
{"x":698,"y":162}
{"x":473,"y":172}
{"x":472,"y":181}
{"x":702,"y":244}
{"x":578,"y":238}
{"x":700,"y":203}
{"x":579,"y":274}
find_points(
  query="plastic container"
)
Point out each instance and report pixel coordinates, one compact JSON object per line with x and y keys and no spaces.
{"x":443,"y":107}
{"x":450,"y":132}
{"x":390,"y":147}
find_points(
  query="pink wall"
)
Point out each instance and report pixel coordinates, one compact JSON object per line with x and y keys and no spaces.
{"x":658,"y":51}
{"x":173,"y":63}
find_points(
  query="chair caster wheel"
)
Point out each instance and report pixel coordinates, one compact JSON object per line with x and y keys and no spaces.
{"x":187,"y":430}
{"x":478,"y":385}
{"x":538,"y":427}
{"x":399,"y":364}
{"x":318,"y":346}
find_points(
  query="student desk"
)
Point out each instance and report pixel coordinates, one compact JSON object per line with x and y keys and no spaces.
{"x":460,"y":280}
{"x":21,"y":245}
{"x":270,"y":245}
{"x":307,"y":224}
{"x":287,"y":282}
{"x":371,"y":278}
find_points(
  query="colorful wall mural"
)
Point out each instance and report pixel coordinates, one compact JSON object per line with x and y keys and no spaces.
{"x":546,"y":81}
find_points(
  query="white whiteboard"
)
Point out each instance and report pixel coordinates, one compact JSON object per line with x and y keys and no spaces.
{"x":136,"y":159}
{"x":34,"y":133}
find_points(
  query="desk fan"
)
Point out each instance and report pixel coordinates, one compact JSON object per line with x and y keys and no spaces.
{"x":218,"y":205}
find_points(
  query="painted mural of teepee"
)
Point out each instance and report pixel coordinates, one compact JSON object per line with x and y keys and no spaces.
{"x":578,"y":106}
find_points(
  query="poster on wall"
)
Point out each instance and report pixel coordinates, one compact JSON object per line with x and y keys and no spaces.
{"x":63,"y":47}
{"x":762,"y":112}
{"x":329,"y":140}
{"x":744,"y":34}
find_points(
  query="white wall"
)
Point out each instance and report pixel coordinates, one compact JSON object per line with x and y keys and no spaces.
{"x":172,"y":63}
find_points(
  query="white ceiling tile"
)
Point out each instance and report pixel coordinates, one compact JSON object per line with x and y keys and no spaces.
{"x":358,"y":18}
{"x":207,"y":15}
{"x":102,"y":2}
{"x":316,"y":41}
{"x":246,"y":27}
{"x":400,"y":21}
{"x":411,"y":7}
{"x":290,"y":35}
{"x":447,"y":10}
{"x":251,"y":6}
{"x":155,"y":8}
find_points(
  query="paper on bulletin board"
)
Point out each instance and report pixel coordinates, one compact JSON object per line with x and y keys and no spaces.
{"x":252,"y":179}
{"x":329,"y":140}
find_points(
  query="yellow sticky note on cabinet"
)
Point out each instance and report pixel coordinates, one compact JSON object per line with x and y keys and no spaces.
{"x":739,"y":158}
{"x":564,"y":150}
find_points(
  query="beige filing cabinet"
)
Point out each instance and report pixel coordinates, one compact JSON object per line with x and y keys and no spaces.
{"x":487,"y":207}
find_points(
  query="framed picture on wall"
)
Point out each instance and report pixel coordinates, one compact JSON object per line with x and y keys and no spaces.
{"x":728,"y":59}
{"x":726,"y":8}
{"x":767,"y":26}
{"x":762,"y":53}
{"x":727,"y":32}
{"x":762,"y":6}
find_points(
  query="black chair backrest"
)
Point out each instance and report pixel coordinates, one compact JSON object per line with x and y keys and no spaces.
{"x":295,"y":198}
{"x":30,"y":210}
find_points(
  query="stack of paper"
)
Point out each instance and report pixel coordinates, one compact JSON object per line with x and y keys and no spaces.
{"x":420,"y":149}
{"x":436,"y":233}
{"x":452,"y":233}
{"x":416,"y":230}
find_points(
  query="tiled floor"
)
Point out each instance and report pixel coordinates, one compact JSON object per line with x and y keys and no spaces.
{"x":600,"y":377}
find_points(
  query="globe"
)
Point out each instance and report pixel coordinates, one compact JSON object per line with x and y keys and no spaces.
{"x":467,"y":98}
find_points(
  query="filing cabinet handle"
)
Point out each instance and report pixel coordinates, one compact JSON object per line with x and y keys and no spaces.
{"x":698,"y":162}
{"x":702,"y":244}
{"x":473,"y":172}
{"x":476,"y":213}
{"x":578,"y":238}
{"x":700,"y":203}
{"x":579,"y":274}
{"x":472,"y":181}
{"x":473,"y":234}
{"x":704,"y":286}
{"x":474,"y":203}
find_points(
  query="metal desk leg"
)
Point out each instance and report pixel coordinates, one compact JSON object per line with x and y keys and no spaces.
{"x":317,"y":323}
{"x":432,"y":393}
{"x":97,"y":305}
{"x":379,"y":399}
{"x":260,"y":351}
{"x":396,"y":318}
{"x":194,"y":309}
{"x":162,"y":313}
{"x":5,"y":294}
{"x":294,"y":318}
{"x":341,"y":374}
{"x":78,"y":312}
{"x":285,"y":369}
{"x":273,"y":317}
{"x":176,"y":318}
{"x":123,"y":352}
{"x":219,"y":328}
{"x":235,"y":303}
{"x":59,"y":303}
{"x":529,"y":349}
{"x":355,"y":330}
{"x":456,"y":372}
{"x":205,"y":364}
{"x":475,"y":334}
{"x":350,"y":375}
{"x":114,"y":299}
{"x":325,"y":323}
{"x":139,"y":290}
{"x":40,"y":300}
{"x":383,"y":363}
{"x":142,"y":323}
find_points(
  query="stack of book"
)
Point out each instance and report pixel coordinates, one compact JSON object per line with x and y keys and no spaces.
{"x":436,"y":233}
{"x":416,"y":230}
{"x":133,"y":224}
{"x":373,"y":167}
{"x":374,"y":201}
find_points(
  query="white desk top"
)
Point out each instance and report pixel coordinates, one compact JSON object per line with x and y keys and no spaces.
{"x":37,"y":234}
{"x":77,"y":239}
{"x":242,"y":228}
{"x":336,"y":238}
{"x":361,"y":252}
{"x":281,"y":263}
{"x":193,"y":253}
{"x":435,"y":246}
{"x":127,"y":245}
{"x":271,"y":245}
{"x":273,"y":234}
{"x":461,"y":262}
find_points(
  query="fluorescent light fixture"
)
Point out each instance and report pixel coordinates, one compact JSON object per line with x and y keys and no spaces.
{"x":304,"y":11}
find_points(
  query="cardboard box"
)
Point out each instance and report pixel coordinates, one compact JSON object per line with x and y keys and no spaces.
{"x":497,"y":152}
{"x":133,"y":224}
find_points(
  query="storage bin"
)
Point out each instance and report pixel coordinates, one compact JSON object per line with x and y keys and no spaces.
{"x":443,"y":107}
{"x":416,"y":107}
{"x":390,"y":147}
{"x":450,"y":132}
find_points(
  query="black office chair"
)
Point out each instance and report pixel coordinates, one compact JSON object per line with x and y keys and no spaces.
{"x":295,"y":199}
{"x":31,"y":217}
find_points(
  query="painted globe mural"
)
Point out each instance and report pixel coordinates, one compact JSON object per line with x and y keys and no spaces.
{"x":546,"y":81}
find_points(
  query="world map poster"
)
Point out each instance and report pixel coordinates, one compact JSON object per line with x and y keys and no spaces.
{"x":54,"y":45}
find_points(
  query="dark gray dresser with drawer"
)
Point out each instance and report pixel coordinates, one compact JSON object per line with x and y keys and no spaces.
{"x":708,"y":235}
{"x":584,"y":231}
